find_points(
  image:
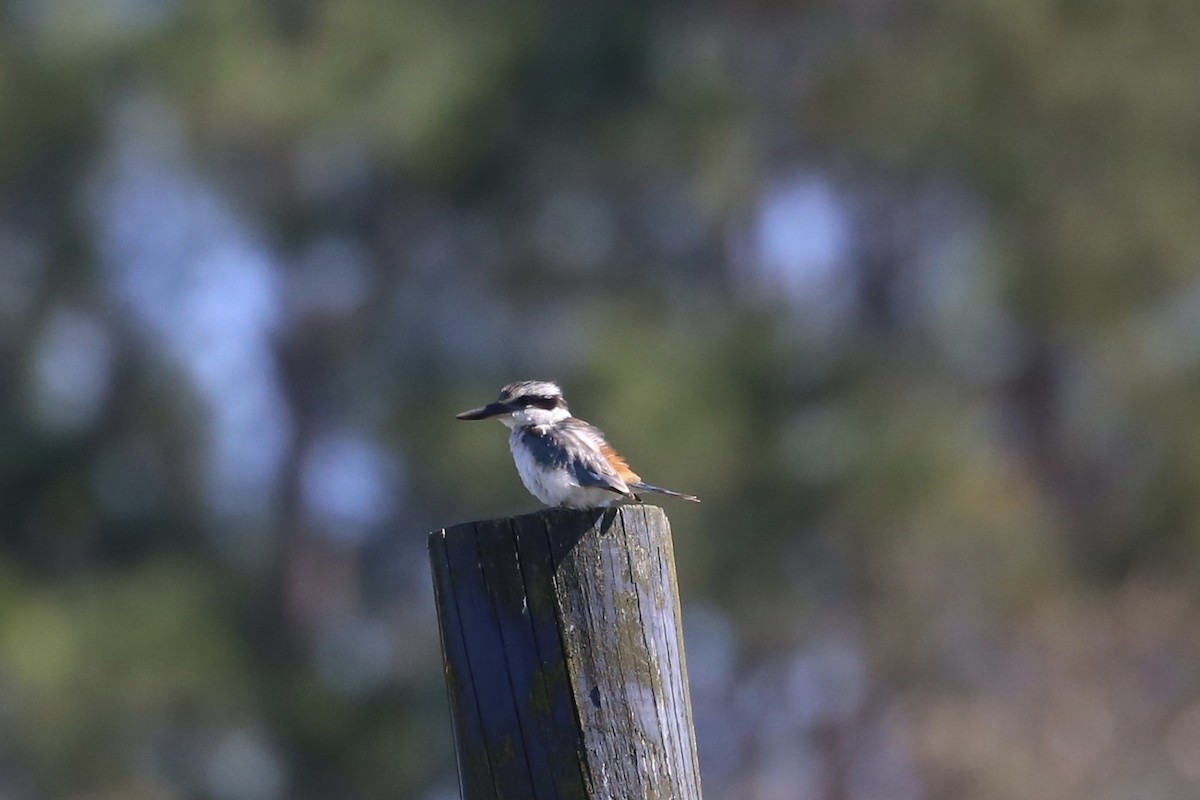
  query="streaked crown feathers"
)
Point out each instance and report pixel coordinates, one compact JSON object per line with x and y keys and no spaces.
{"x":533,"y":390}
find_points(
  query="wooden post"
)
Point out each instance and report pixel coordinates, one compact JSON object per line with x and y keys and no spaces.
{"x":563,"y":652}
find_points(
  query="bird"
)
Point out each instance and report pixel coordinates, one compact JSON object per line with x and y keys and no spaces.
{"x":563,"y":461}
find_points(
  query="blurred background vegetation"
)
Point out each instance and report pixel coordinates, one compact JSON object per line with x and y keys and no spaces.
{"x":906,"y":290}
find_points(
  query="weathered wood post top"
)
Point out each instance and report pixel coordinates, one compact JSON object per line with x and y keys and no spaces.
{"x":563,"y":653}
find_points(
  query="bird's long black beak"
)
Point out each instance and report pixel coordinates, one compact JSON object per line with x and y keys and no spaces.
{"x":490,"y":410}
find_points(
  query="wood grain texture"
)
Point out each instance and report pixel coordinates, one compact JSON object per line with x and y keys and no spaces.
{"x":564,"y":657}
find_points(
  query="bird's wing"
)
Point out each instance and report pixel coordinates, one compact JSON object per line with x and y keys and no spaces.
{"x":599,"y":464}
{"x":580,"y":448}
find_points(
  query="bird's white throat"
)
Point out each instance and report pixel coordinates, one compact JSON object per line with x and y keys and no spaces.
{"x":524,"y":417}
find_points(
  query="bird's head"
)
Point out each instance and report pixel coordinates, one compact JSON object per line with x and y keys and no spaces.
{"x":524,"y":403}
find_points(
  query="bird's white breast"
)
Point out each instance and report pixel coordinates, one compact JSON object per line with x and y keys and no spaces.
{"x":554,"y":486}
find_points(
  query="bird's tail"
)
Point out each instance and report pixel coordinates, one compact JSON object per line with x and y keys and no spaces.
{"x":645,"y":487}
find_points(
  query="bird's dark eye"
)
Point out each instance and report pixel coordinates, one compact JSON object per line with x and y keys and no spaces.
{"x":528,"y":401}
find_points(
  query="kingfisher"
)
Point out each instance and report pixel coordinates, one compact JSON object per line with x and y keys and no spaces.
{"x":562,"y":460}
